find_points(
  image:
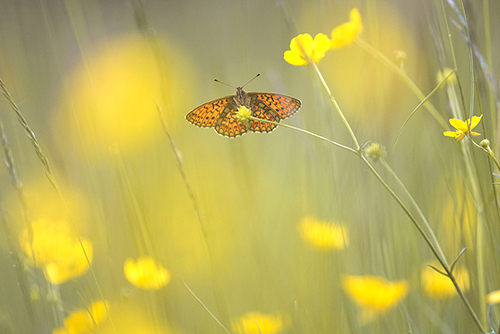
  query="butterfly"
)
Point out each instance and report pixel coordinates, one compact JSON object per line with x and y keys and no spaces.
{"x":221,"y":113}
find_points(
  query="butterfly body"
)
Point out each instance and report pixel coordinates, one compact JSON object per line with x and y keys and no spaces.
{"x":221,"y":113}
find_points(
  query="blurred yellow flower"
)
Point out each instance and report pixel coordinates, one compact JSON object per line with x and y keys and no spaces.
{"x":84,"y":321}
{"x":112,"y":94}
{"x":347,"y":32}
{"x":257,"y":323}
{"x":304,"y":50}
{"x":438,"y":286}
{"x":493,"y":297}
{"x":56,"y":250}
{"x":463,"y":127}
{"x":452,"y":79}
{"x":373,"y":294}
{"x":323,"y":235}
{"x":145,"y":273}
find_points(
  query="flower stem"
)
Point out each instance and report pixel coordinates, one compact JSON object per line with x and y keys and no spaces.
{"x":436,"y":250}
{"x":335,"y":104}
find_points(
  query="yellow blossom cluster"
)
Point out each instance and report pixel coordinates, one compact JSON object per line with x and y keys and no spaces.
{"x":53,"y":247}
{"x":84,"y":320}
{"x":145,"y":273}
{"x":304,"y":49}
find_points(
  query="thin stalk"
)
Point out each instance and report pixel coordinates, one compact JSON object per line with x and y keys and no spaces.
{"x":335,"y":104}
{"x":428,"y":241}
{"x":421,"y":214}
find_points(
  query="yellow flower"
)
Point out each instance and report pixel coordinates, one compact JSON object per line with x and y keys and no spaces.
{"x":323,"y":235}
{"x":84,"y":321}
{"x":346,"y":33}
{"x":145,"y":273}
{"x":463,"y":127}
{"x":243,"y":114}
{"x":304,"y":50}
{"x":111,"y":95}
{"x":255,"y":323}
{"x":493,"y":297}
{"x":56,"y":250}
{"x":438,"y":286}
{"x":374,"y":294}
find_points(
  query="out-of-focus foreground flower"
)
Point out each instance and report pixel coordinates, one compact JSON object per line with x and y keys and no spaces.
{"x":257,"y":323}
{"x":438,"y":286}
{"x":323,"y":235}
{"x":373,"y":294}
{"x":347,"y":32}
{"x":84,"y":321}
{"x":145,"y":273}
{"x":56,"y":250}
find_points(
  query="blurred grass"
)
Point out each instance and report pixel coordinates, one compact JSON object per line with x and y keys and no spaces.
{"x":86,"y":80}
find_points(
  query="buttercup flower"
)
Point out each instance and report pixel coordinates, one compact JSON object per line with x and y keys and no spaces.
{"x":145,"y":273}
{"x":373,"y":294}
{"x":463,"y":127}
{"x":84,"y":321}
{"x":438,"y":286}
{"x":304,"y":50}
{"x":323,"y":235}
{"x":56,"y":250}
{"x":347,"y":32}
{"x":256,"y":323}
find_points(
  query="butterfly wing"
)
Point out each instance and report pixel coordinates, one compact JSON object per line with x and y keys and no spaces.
{"x":207,"y":114}
{"x":284,"y":106}
{"x":271,"y":107}
{"x":229,"y":126}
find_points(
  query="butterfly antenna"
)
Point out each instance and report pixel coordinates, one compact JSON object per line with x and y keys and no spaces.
{"x":223,"y":83}
{"x":216,"y":80}
{"x":258,"y":75}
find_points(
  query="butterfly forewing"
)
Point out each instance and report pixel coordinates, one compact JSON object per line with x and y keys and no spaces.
{"x":284,"y":105}
{"x":207,"y":114}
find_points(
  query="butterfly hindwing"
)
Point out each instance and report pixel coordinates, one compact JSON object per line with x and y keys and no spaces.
{"x":228,"y":125}
{"x":262,"y":111}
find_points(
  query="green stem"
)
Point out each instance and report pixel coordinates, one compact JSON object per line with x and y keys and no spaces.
{"x":436,"y":251}
{"x":335,"y":104}
{"x":421,"y":214}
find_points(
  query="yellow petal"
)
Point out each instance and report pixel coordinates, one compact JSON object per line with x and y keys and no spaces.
{"x":345,"y":33}
{"x":355,"y":18}
{"x":302,"y":45}
{"x":475,"y":121}
{"x":294,"y":58}
{"x":451,"y":133}
{"x":321,"y":44}
{"x":459,"y":124}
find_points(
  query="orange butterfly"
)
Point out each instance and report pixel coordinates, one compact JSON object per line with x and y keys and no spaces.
{"x":221,"y":113}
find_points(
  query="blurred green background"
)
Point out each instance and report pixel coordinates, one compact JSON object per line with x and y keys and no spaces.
{"x":86,"y":76}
